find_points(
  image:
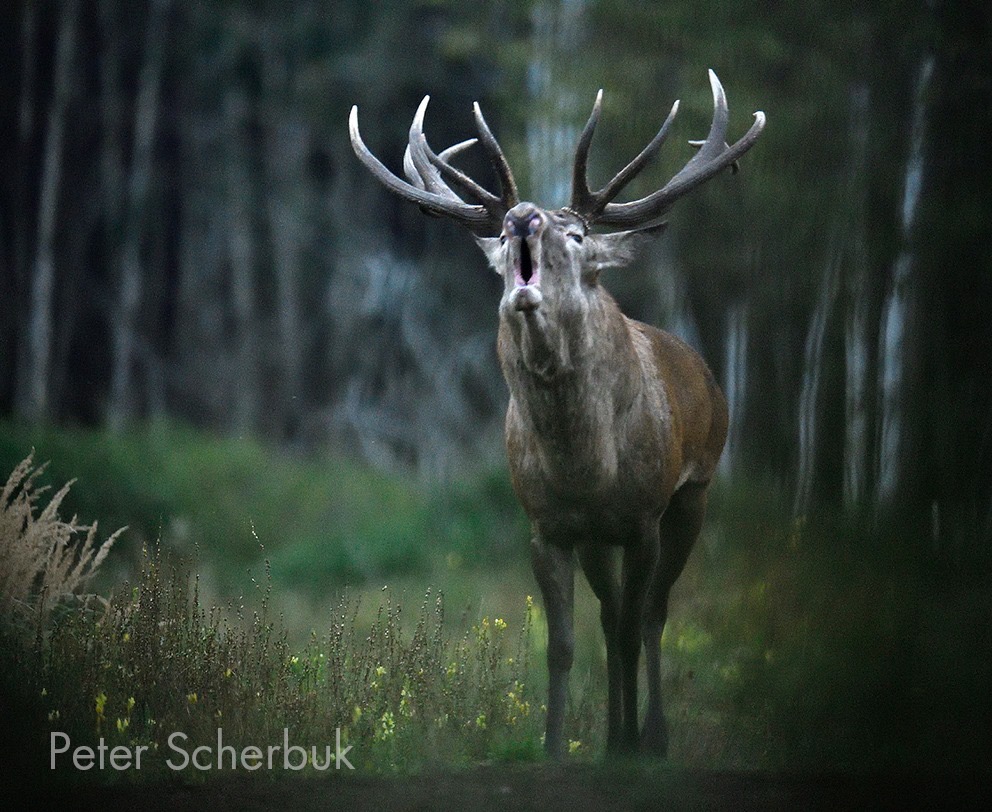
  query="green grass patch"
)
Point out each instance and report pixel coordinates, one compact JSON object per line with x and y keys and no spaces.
{"x":812,"y":644}
{"x":321,"y":521}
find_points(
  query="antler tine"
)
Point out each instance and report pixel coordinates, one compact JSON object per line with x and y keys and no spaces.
{"x":591,"y":204}
{"x":454,"y":149}
{"x":495,"y":205}
{"x":714,"y":155}
{"x":508,"y":185}
{"x":432,"y":170}
{"x":716,"y":140}
{"x":437,"y":166}
{"x":450,"y":205}
{"x":410,"y":168}
{"x":411,"y":171}
{"x":583,"y":200}
{"x":416,"y":165}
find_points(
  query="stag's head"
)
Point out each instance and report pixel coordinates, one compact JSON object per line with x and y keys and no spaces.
{"x":549,"y":257}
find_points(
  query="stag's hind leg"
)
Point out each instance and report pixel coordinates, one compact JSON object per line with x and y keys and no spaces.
{"x":640,"y":558}
{"x":679,"y":528}
{"x":621,"y":606}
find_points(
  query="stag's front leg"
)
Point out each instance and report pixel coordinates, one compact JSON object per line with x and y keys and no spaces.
{"x":554,"y":571}
{"x":599,"y":566}
{"x":639,"y":562}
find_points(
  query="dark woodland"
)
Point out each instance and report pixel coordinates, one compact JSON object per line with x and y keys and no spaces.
{"x":185,"y":233}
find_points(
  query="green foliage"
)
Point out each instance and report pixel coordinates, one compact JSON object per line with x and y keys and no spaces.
{"x":153,"y":661}
{"x":809,"y":643}
{"x":320,"y":522}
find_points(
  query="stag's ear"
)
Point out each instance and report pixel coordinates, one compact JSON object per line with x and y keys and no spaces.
{"x":490,"y":247}
{"x":619,"y":248}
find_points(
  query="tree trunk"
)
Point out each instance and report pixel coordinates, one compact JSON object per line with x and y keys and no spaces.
{"x":285,"y":140}
{"x":111,"y":119}
{"x":241,"y":196}
{"x":21,"y":222}
{"x":557,"y":30}
{"x":857,"y":372}
{"x":897,"y":338}
{"x":858,"y":357}
{"x":846,"y":248}
{"x":32,"y":394}
{"x":813,"y":370}
{"x":122,"y":404}
{"x":735,"y":381}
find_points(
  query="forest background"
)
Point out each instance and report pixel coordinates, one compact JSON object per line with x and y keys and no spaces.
{"x":189,"y":250}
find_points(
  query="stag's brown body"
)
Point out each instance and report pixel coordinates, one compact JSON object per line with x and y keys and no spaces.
{"x":621,"y":424}
{"x":614,"y":428}
{"x":613,"y":431}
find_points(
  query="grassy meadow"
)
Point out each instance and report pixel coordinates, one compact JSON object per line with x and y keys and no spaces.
{"x":253,"y":592}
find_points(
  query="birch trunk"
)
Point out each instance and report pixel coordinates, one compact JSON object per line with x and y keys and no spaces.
{"x":857,"y":371}
{"x":244,"y":384}
{"x":898,"y":330}
{"x":32,"y":393}
{"x":551,"y":134}
{"x":122,"y":403}
{"x":735,"y":381}
{"x":846,"y":249}
{"x":809,"y":398}
{"x":858,"y":321}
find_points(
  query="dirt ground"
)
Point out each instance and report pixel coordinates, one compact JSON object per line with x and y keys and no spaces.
{"x":575,"y":788}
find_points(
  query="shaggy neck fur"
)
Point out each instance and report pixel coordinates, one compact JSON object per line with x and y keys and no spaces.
{"x":567,"y":389}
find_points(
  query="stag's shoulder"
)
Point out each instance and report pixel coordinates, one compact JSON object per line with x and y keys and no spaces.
{"x":687,"y":378}
{"x":695,"y":398}
{"x":668,"y":353}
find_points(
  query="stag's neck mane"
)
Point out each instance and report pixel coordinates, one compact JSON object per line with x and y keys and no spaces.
{"x":573,"y":376}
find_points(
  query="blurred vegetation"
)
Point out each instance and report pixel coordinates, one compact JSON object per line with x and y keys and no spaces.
{"x":154,"y":660}
{"x":222,"y":501}
{"x":804,"y":644}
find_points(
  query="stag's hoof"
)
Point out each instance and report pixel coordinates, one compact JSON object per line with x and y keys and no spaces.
{"x":526,"y":298}
{"x":654,"y":740}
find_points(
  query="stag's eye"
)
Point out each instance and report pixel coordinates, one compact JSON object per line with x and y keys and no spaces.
{"x":502,"y":239}
{"x":575,"y":235}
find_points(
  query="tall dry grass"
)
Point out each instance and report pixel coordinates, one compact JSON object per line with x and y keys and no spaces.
{"x":44,"y":560}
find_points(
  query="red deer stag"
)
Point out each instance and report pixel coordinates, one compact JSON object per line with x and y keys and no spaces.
{"x":614,"y":428}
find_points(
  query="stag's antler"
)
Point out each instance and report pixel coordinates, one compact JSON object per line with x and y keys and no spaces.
{"x":714,"y":155}
{"x":430,"y":175}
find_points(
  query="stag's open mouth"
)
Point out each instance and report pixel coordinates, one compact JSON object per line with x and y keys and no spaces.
{"x":526,"y":294}
{"x":526,"y":268}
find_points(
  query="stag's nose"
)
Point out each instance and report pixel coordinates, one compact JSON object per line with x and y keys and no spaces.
{"x":523,"y":220}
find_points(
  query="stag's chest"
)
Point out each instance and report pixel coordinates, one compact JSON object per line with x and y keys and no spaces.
{"x":598,"y":467}
{"x":582,"y":504}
